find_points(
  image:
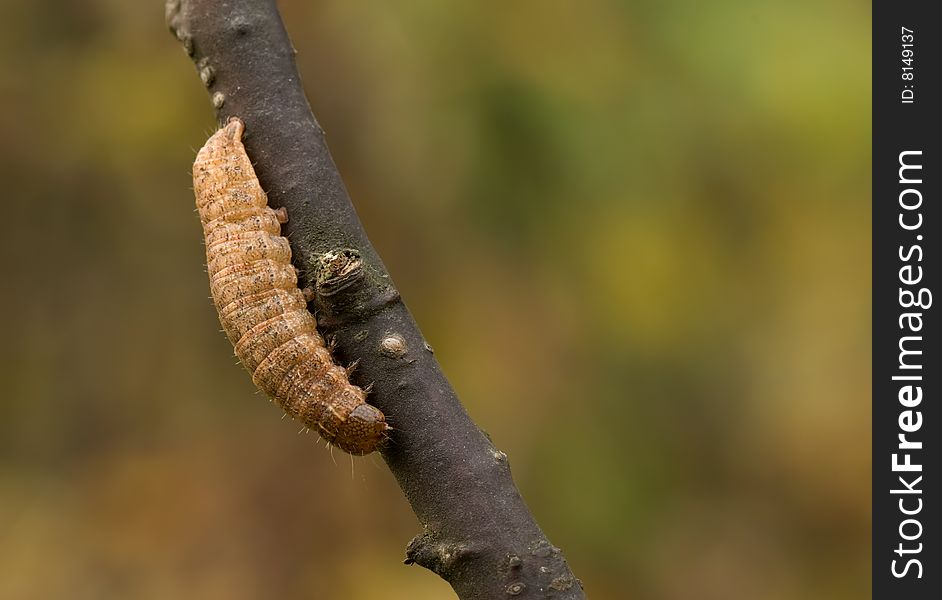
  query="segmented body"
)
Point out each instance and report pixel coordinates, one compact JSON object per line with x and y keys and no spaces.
{"x":262,"y":311}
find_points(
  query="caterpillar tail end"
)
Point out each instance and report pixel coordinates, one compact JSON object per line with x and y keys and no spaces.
{"x":234,"y":128}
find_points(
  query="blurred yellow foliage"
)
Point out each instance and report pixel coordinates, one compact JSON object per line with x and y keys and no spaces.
{"x":636,"y":233}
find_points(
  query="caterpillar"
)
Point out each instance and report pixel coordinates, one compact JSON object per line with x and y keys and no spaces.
{"x":262,"y":311}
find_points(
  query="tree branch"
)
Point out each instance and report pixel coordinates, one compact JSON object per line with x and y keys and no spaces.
{"x":477,"y":532}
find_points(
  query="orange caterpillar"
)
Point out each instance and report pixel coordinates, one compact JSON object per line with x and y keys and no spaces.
{"x":264,"y":314}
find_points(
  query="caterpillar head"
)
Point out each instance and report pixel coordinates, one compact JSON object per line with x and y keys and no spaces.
{"x":363,"y":430}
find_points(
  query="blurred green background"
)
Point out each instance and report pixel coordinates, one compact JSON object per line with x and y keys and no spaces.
{"x":637,"y":234}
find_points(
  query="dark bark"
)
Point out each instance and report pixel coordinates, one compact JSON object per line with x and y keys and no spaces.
{"x":477,"y":532}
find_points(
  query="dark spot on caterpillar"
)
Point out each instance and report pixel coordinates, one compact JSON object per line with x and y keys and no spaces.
{"x":261,"y":309}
